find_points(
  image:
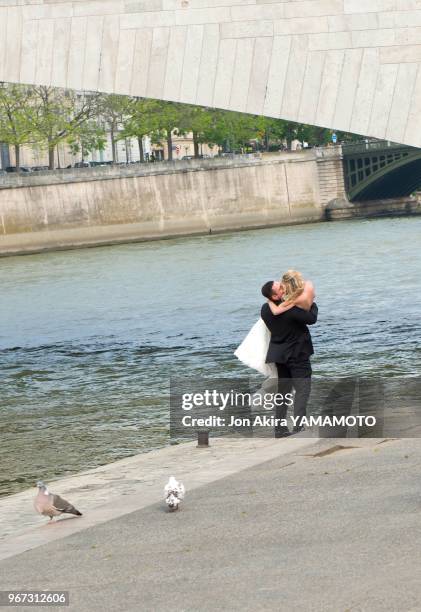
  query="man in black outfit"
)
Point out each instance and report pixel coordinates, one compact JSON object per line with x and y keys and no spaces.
{"x":290,"y":349}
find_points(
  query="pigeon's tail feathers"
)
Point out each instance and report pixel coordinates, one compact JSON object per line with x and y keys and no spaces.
{"x":64,"y":506}
{"x":171,"y":484}
{"x":175,"y":487}
{"x":71,"y":510}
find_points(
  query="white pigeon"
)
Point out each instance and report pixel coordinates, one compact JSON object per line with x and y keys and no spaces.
{"x":51,"y":505}
{"x":174,"y":492}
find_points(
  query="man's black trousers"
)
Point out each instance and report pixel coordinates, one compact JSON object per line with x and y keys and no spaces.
{"x":295,"y":374}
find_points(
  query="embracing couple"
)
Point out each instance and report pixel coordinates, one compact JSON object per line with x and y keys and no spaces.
{"x":279,"y":344}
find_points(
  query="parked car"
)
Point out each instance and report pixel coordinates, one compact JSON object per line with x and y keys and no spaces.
{"x":82,"y":165}
{"x":21,"y":169}
{"x":39,"y":168}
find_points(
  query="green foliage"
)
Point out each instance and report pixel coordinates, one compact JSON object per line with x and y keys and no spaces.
{"x":171,"y":120}
{"x":16,"y":116}
{"x":142,"y":118}
{"x":46,"y":116}
{"x":113,"y":111}
{"x":91,"y":138}
{"x":61,"y":115}
{"x":15,"y":120}
{"x":232,"y":131}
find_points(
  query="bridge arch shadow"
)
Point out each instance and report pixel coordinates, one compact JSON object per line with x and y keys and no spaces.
{"x":381,"y":170}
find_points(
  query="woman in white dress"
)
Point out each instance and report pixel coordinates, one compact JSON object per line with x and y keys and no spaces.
{"x":293,"y":290}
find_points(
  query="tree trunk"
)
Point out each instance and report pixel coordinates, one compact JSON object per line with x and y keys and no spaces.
{"x":127,"y":150}
{"x":51,"y":157}
{"x":58,"y":157}
{"x":266,"y":140}
{"x":195,"y":144}
{"x":113,"y":146}
{"x":141,"y":152}
{"x":289,"y":137}
{"x":169,"y":144}
{"x":17,"y":158}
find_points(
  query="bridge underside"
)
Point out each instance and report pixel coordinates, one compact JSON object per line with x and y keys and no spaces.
{"x":346,"y":65}
{"x":397,"y":183}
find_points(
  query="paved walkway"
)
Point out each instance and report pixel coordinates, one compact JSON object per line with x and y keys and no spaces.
{"x":121,"y":487}
{"x":298,"y":532}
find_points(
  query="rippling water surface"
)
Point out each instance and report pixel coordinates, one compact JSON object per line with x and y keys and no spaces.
{"x":89,"y":338}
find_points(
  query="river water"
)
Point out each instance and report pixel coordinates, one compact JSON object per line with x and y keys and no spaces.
{"x":89,"y":338}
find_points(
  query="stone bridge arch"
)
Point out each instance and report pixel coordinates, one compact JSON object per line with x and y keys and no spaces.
{"x":350,"y":65}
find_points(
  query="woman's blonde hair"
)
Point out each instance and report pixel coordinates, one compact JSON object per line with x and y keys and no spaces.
{"x":293,"y":283}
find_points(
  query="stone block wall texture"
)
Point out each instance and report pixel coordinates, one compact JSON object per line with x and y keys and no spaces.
{"x":352,"y":65}
{"x":109,"y":205}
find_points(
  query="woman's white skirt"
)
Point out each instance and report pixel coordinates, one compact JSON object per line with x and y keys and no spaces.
{"x":253,"y":350}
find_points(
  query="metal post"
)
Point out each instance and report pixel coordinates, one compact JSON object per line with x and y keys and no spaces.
{"x":202,"y":439}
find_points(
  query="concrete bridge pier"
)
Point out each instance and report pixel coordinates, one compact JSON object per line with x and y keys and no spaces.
{"x":331,"y":175}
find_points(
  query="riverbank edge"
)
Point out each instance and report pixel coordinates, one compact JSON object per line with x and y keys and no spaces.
{"x":131,"y":233}
{"x":142,"y":204}
{"x":102,"y":236}
{"x":122,"y":487}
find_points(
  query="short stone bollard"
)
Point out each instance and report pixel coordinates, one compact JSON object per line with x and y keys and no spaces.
{"x":202,"y":439}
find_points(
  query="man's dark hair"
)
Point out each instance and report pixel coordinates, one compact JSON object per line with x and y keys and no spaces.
{"x":267,"y":290}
